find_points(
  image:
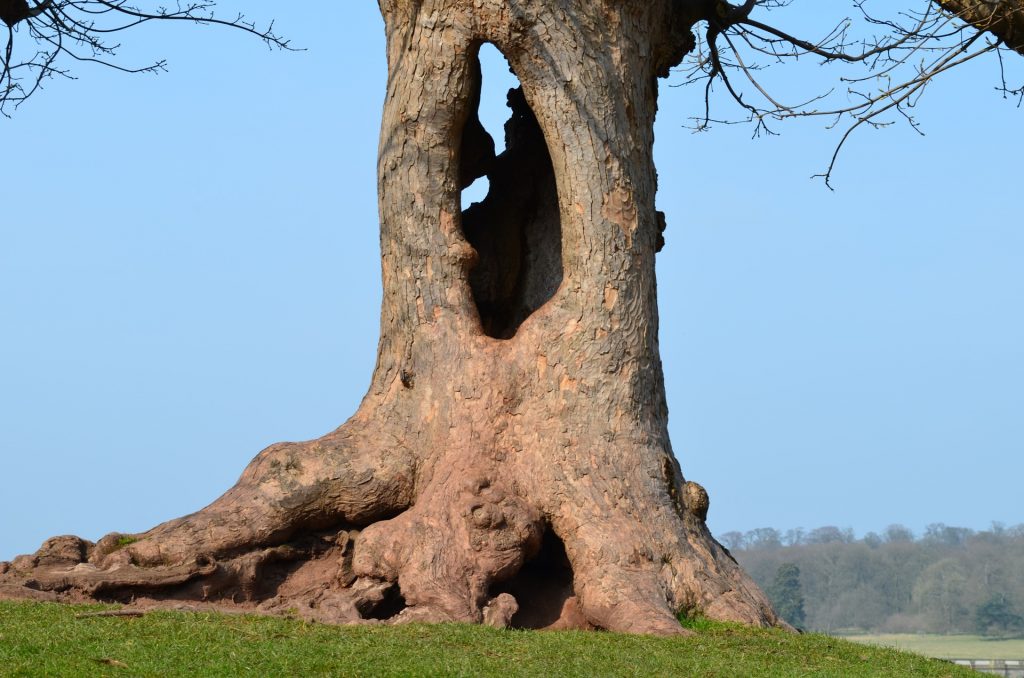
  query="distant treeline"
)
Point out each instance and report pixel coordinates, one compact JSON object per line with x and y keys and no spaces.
{"x":948,"y":580}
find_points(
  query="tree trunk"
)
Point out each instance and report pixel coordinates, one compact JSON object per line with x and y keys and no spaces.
{"x":511,"y":461}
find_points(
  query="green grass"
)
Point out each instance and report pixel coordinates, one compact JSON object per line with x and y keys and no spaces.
{"x":948,"y":647}
{"x":47,"y":640}
{"x":125,"y":540}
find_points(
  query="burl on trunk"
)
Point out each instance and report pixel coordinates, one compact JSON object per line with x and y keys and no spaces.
{"x":511,"y":462}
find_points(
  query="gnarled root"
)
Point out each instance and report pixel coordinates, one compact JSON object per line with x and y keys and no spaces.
{"x":331,"y":530}
{"x":447,"y":552}
{"x":282,"y":535}
{"x":347,"y":478}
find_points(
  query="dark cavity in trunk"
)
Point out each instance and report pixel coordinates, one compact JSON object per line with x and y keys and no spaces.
{"x":516,"y":229}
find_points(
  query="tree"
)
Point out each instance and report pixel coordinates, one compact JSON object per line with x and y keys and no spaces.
{"x":762,"y":538}
{"x":938,"y":533}
{"x":996,"y":616}
{"x":939,"y":594}
{"x":899,"y":586}
{"x":830,"y":534}
{"x":787,"y":595}
{"x":510,"y":462}
{"x":898,"y":534}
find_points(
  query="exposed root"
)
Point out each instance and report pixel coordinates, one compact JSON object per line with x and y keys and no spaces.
{"x":446,"y":552}
{"x":345,"y":478}
{"x":280,"y":541}
{"x":329,"y":531}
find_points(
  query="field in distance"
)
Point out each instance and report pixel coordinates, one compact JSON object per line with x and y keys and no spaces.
{"x":947,"y":647}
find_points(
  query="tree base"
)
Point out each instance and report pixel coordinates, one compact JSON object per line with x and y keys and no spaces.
{"x":312,"y":580}
{"x":465,"y":547}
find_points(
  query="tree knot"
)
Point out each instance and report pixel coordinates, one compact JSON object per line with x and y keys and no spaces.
{"x":487,"y":516}
{"x":696,"y":500}
{"x":408,"y":378}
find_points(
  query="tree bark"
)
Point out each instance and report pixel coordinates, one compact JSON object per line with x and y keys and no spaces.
{"x":1003,"y":18}
{"x":510,"y":463}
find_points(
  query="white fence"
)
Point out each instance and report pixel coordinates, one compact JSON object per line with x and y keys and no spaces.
{"x":1008,"y":668}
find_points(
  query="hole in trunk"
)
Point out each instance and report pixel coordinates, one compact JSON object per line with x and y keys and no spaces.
{"x":516,"y":228}
{"x":542,"y":587}
{"x":388,"y":607}
{"x":475,"y":192}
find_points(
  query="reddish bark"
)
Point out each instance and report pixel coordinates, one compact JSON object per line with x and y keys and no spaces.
{"x":511,"y":462}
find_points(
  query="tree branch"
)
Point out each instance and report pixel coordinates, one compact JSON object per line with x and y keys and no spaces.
{"x":909,"y":50}
{"x":1002,"y":18}
{"x":41,"y":38}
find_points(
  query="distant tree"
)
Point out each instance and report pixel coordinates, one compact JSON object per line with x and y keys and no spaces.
{"x":996,"y":616}
{"x":940,"y":533}
{"x":794,"y":537}
{"x":898,"y":533}
{"x":945,"y":582}
{"x":763,"y":538}
{"x":732,"y":540}
{"x":939,"y":595}
{"x":829,"y":535}
{"x":787,"y":594}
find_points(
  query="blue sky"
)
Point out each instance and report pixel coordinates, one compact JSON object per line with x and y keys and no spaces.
{"x":189,"y":272}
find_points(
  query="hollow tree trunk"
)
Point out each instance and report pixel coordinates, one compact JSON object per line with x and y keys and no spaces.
{"x":511,"y":461}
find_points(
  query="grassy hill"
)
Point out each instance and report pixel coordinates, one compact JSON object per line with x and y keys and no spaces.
{"x":49,"y":640}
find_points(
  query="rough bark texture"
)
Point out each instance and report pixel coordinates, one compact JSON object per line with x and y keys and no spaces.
{"x":1003,"y":18}
{"x":511,"y":462}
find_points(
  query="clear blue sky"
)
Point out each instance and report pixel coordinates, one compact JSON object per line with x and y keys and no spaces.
{"x":189,"y":272}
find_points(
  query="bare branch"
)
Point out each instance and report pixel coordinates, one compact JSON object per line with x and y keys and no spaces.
{"x":42,"y":37}
{"x":899,"y":54}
